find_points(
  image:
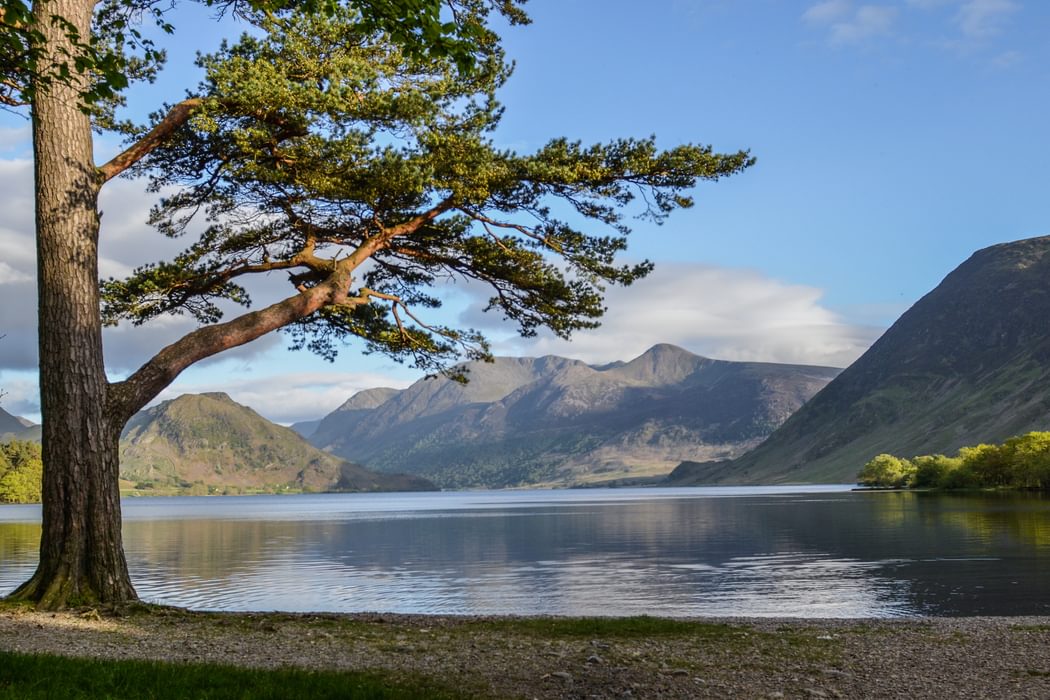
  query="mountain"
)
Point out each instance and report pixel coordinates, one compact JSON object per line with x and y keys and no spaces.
{"x":306,"y":428}
{"x":210,"y":442}
{"x":968,"y":363}
{"x":556,"y":421}
{"x":15,"y":427}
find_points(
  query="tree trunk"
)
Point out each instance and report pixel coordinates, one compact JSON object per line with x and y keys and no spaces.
{"x":81,"y":553}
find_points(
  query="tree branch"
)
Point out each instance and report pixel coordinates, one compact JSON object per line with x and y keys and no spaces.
{"x":385,"y":235}
{"x":124,"y":398}
{"x":176,"y":117}
{"x":7,"y":99}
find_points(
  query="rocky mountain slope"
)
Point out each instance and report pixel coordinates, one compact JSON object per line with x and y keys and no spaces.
{"x":17,"y":428}
{"x":552,"y":420}
{"x":968,"y":363}
{"x":207,"y":442}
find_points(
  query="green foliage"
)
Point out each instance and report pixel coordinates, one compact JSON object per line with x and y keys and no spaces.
{"x":1020,"y":462}
{"x":21,"y":471}
{"x":887,"y":471}
{"x":118,"y":51}
{"x":319,"y":145}
{"x":931,"y":470}
{"x":987,"y":464}
{"x":27,"y":677}
{"x":1028,"y":457}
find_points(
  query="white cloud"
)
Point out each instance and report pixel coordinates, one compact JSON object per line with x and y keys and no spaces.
{"x":9,"y":275}
{"x":979,"y":19}
{"x":292,"y":397}
{"x":1007,"y":59}
{"x":849,"y":25}
{"x":14,"y":139}
{"x":20,"y":394}
{"x":828,"y":11}
{"x":869,"y":21}
{"x":930,"y":4}
{"x":125,"y":242}
{"x":724,"y":313}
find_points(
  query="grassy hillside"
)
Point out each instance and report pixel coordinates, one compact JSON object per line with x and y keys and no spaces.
{"x":207,"y":443}
{"x":968,"y":363}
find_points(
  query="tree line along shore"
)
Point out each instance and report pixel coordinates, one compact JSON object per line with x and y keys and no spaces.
{"x":1021,"y":462}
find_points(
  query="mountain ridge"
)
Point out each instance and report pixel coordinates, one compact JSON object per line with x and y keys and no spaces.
{"x":14,"y":427}
{"x":209,"y":442}
{"x":558,"y":421}
{"x":967,"y":363}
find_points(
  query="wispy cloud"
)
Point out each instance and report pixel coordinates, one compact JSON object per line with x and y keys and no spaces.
{"x":1007,"y":59}
{"x":962,"y":26}
{"x":291,"y":397}
{"x":828,"y":11}
{"x":979,"y":19}
{"x":14,"y":139}
{"x":849,"y":24}
{"x":725,"y":313}
{"x":125,"y":242}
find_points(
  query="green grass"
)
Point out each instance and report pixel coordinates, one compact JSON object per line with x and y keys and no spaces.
{"x":613,"y":627}
{"x":28,"y":677}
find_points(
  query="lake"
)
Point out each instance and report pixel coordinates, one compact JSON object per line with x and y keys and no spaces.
{"x":819,"y":551}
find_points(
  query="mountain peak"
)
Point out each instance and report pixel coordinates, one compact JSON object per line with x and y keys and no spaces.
{"x":211,"y":440}
{"x":215,"y":395}
{"x":660,"y":365}
{"x":967,"y":363}
{"x":664,"y":349}
{"x":368,"y":398}
{"x":11,"y":424}
{"x":555,"y":420}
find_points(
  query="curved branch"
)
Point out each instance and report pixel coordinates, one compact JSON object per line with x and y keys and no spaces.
{"x":387,"y":234}
{"x":124,"y":398}
{"x":175,"y":118}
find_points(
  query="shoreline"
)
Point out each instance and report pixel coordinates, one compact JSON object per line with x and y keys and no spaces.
{"x":490,"y":656}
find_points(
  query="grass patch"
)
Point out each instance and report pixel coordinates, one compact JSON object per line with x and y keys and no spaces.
{"x":1031,"y":628}
{"x":33,"y":676}
{"x":612,"y":627}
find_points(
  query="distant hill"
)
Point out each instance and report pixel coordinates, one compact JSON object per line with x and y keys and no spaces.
{"x":968,"y":363}
{"x":207,"y":442}
{"x":557,"y":421}
{"x":17,"y":428}
{"x":306,"y":428}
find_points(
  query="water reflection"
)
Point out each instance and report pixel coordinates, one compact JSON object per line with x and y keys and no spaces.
{"x":679,"y":553}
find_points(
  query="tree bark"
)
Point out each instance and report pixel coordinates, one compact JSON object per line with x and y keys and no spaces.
{"x":81,"y":552}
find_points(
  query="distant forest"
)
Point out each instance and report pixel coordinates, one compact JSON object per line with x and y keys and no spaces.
{"x":1021,"y":462}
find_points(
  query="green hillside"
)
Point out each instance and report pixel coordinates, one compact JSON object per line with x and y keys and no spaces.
{"x":207,"y":443}
{"x":968,"y":363}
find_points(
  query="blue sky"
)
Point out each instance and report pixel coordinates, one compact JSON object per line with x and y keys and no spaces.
{"x":893,"y":139}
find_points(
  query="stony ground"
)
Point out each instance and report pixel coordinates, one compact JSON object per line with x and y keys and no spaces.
{"x":552,"y":658}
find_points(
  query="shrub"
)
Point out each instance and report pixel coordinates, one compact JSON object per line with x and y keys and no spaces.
{"x":887,"y":471}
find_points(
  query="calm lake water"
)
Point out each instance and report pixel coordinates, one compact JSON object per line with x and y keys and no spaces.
{"x":785,"y":551}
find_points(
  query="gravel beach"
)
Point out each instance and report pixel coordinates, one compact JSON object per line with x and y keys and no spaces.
{"x":552,"y":658}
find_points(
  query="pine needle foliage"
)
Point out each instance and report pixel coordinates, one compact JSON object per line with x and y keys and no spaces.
{"x":322,"y":150}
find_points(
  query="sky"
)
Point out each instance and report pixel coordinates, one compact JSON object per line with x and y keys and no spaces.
{"x":893,"y":139}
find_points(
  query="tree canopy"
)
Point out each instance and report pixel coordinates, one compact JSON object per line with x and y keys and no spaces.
{"x":367,"y":175}
{"x":117,"y":50}
{"x":21,"y":470}
{"x":1020,"y":462}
